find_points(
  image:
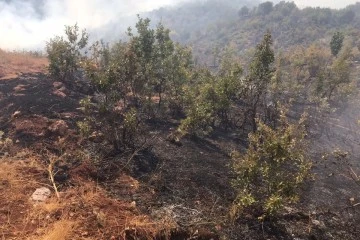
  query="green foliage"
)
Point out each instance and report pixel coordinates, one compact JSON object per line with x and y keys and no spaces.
{"x":273,"y":168}
{"x":65,"y":54}
{"x":336,"y":43}
{"x":84,"y":127}
{"x":346,"y":16}
{"x":290,"y":25}
{"x":155,"y":67}
{"x":200,"y":111}
{"x":209,"y":101}
{"x":134,"y":80}
{"x":265,"y":8}
{"x":339,"y":77}
{"x":130,"y":128}
{"x":259,"y":77}
{"x":5,"y":143}
{"x":244,"y":11}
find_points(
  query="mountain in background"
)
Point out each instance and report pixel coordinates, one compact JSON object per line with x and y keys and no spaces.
{"x":211,"y":26}
{"x":184,"y":19}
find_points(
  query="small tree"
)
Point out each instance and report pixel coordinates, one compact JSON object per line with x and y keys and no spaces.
{"x":336,"y":43}
{"x":265,"y":8}
{"x":273,"y":168}
{"x":260,"y":75}
{"x":65,"y":54}
{"x":244,"y":11}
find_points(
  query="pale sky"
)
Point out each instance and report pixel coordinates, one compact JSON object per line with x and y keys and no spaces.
{"x":325,"y":3}
{"x":23,"y":26}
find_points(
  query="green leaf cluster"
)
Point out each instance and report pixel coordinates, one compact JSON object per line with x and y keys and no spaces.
{"x":269,"y":175}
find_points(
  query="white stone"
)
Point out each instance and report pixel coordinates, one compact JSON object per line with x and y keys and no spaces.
{"x":16,"y":114}
{"x":41,"y":194}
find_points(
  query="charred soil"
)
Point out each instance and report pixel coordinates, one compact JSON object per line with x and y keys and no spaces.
{"x":161,"y":190}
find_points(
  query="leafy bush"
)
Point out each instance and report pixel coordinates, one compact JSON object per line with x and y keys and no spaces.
{"x":336,"y":43}
{"x":209,"y":102}
{"x":271,"y":172}
{"x":65,"y":54}
{"x":5,"y":143}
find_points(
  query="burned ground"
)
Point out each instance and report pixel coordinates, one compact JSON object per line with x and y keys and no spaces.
{"x":184,"y":189}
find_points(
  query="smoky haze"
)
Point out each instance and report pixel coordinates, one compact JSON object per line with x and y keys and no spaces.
{"x":28,"y":24}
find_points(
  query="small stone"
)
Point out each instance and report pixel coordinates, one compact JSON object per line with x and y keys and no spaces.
{"x":40,"y":195}
{"x":16,"y":114}
{"x":59,"y":93}
{"x":96,"y":137}
{"x":60,"y":127}
{"x":58,"y":84}
{"x":318,"y":223}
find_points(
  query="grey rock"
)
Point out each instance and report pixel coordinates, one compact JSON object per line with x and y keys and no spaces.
{"x":41,"y":195}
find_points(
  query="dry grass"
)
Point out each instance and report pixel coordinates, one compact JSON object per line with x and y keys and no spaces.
{"x":61,"y":230}
{"x":12,"y":64}
{"x":84,"y":211}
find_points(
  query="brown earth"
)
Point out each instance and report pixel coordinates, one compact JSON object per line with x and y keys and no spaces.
{"x":13,"y":64}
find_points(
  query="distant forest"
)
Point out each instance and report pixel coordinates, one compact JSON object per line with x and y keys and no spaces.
{"x":211,"y":26}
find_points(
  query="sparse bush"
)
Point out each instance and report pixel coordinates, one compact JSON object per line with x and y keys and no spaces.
{"x":210,"y":100}
{"x":273,"y":168}
{"x":336,"y":43}
{"x":5,"y":143}
{"x":65,"y":54}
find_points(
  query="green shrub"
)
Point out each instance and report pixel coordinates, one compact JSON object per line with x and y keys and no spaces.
{"x":273,"y":168}
{"x":65,"y":54}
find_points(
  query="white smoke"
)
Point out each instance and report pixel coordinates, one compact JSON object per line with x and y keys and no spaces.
{"x":325,"y":3}
{"x":28,"y":24}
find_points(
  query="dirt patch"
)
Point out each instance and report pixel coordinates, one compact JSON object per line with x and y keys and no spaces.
{"x":13,"y":64}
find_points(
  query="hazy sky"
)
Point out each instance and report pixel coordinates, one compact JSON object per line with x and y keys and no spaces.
{"x":29,"y":23}
{"x":325,"y":3}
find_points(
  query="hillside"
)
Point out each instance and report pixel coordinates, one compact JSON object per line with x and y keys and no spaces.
{"x":161,"y":191}
{"x":212,"y":26}
{"x":251,"y":131}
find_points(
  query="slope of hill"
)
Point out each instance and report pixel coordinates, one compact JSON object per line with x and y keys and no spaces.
{"x":211,"y":26}
{"x":134,"y":141}
{"x":162,"y":191}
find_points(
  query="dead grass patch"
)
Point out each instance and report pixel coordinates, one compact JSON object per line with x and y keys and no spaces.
{"x":83,"y":211}
{"x":12,"y":64}
{"x":61,"y":230}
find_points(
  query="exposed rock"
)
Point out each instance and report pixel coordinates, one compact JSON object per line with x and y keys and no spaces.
{"x":318,"y":223}
{"x":59,"y":93}
{"x":40,"y":195}
{"x":96,"y":137}
{"x":59,"y":127}
{"x":16,"y":114}
{"x":58,"y":84}
{"x":20,"y":88}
